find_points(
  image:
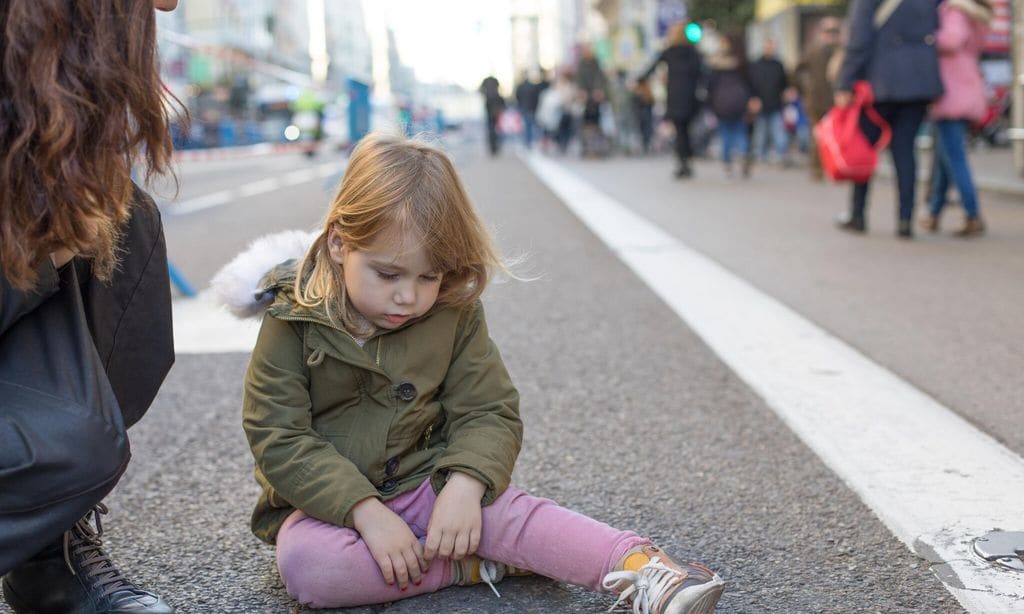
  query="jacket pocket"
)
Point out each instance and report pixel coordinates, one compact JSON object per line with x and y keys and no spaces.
{"x":54,"y":449}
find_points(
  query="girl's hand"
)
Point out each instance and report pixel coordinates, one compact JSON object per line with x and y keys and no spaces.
{"x":393,"y":546}
{"x":454,"y":529}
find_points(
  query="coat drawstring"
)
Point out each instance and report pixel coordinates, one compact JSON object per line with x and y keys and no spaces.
{"x":315,"y":358}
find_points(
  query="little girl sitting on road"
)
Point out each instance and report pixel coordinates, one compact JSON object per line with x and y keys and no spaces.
{"x":384,"y":425}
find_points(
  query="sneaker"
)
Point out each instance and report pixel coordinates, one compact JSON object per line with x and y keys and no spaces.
{"x":75,"y":575}
{"x":904,"y":229}
{"x":652,"y":583}
{"x":474,"y":570}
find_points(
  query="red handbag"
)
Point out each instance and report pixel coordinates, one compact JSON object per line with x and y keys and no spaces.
{"x":846,"y":153}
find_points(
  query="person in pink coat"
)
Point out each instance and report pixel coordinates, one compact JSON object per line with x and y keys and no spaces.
{"x":962,"y":28}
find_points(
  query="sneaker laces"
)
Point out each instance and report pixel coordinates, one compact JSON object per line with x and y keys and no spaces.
{"x":489,"y":574}
{"x":83,"y":541}
{"x":647,"y":585}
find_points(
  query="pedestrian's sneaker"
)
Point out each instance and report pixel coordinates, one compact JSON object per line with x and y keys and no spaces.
{"x":474,"y":570}
{"x":75,"y":576}
{"x":652,"y":583}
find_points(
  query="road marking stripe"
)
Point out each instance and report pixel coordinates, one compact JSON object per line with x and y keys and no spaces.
{"x":262,"y":186}
{"x":300,"y":176}
{"x":256,"y":188}
{"x":933,"y":479}
{"x":206,"y":201}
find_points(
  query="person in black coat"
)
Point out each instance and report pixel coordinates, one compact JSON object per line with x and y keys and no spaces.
{"x":683,"y":63}
{"x":769,"y":80}
{"x":527,"y":95}
{"x":73,"y":224}
{"x":494,"y":104}
{"x":731,"y":97}
{"x":896,"y":53}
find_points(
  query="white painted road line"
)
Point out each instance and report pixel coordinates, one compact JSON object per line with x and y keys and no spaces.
{"x":255,"y":188}
{"x":206,"y":201}
{"x":300,"y":176}
{"x":259,"y":187}
{"x":933,"y":479}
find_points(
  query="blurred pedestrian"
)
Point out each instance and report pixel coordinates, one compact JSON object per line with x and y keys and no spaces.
{"x":892,"y":45}
{"x":556,"y":110}
{"x":592,"y":90}
{"x":622,"y":109}
{"x":642,"y":102}
{"x":416,"y":497}
{"x":962,"y":28}
{"x":81,"y":100}
{"x":770,"y":82}
{"x":527,"y":95}
{"x":494,"y":106}
{"x":731,"y":98}
{"x":815,"y":84}
{"x":683,"y":64}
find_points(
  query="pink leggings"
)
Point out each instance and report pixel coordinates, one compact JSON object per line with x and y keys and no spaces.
{"x":327,"y":566}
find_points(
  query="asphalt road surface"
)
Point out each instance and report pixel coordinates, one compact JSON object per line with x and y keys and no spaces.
{"x":630,"y":417}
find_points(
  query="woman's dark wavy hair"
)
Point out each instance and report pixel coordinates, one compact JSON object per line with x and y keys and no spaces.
{"x":80,"y":101}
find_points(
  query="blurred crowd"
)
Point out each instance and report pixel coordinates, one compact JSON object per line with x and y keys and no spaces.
{"x":747,"y":108}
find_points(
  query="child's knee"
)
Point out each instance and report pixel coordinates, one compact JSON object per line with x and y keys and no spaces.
{"x":312,"y":569}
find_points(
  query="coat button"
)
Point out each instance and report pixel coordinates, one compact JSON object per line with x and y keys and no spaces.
{"x":406,"y":391}
{"x":391,"y":466}
{"x":388,"y":486}
{"x":929,"y":39}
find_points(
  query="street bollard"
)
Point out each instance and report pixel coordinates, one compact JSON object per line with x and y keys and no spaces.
{"x":179,"y":281}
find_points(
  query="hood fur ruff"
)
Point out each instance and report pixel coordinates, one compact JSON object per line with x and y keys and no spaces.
{"x":236,"y":284}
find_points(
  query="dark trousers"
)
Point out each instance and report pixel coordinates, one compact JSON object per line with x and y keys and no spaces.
{"x":904,"y":118}
{"x":493,"y":138}
{"x":684,"y":150}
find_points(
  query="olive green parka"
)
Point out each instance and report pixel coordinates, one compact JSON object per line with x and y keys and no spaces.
{"x":331,"y":423}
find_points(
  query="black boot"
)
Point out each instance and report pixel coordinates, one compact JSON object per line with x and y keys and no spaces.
{"x":904,"y":229}
{"x":852,"y":223}
{"x":75,"y":576}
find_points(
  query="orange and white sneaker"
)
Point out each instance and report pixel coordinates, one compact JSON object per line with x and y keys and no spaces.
{"x":474,"y":570}
{"x":652,"y":583}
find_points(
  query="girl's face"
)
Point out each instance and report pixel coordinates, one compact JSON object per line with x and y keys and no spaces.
{"x":389,"y":282}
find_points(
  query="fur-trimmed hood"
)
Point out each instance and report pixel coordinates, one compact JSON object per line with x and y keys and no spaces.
{"x":975,"y":10}
{"x":246,"y":286}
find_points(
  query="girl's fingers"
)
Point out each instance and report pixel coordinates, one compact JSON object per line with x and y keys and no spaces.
{"x":432,"y":544}
{"x":461,"y":546}
{"x":412,"y":564}
{"x":474,"y":541}
{"x":385,"y":569}
{"x":447,"y":545}
{"x":417,"y":549}
{"x":401,"y":571}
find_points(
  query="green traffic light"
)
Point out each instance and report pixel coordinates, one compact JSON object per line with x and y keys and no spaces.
{"x":693,"y":32}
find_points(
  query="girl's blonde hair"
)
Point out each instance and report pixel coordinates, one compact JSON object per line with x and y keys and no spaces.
{"x":397,"y":184}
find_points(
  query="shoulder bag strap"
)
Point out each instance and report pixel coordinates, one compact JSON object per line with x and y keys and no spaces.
{"x":884,"y":11}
